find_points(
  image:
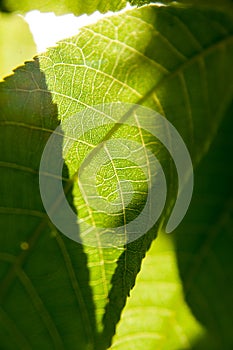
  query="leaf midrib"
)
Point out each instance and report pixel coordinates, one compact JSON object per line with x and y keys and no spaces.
{"x":167,"y":77}
{"x":21,"y":258}
{"x":123,"y":119}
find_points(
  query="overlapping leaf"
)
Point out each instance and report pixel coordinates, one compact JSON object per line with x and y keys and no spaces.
{"x":204,"y":244}
{"x":201,"y":250}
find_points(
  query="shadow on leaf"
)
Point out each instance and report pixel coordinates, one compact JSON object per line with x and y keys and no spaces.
{"x":46,"y":301}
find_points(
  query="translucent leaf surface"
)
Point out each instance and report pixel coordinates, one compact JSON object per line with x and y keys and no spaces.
{"x":175,"y":61}
{"x":16,"y":43}
{"x":77,"y":7}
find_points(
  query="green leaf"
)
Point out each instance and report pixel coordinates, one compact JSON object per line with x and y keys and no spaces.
{"x":139,"y":2}
{"x":168,"y":65}
{"x":16,"y":43}
{"x":207,"y":3}
{"x":156,"y":315}
{"x":204,"y":241}
{"x":200,"y":251}
{"x":159,"y":57}
{"x":46,"y":301}
{"x":78,"y":7}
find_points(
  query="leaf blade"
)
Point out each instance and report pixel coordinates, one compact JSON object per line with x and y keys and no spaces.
{"x":129,"y":65}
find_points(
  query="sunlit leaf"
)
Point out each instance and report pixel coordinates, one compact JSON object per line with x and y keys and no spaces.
{"x":77,"y":7}
{"x":175,"y":61}
{"x":16,"y":43}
